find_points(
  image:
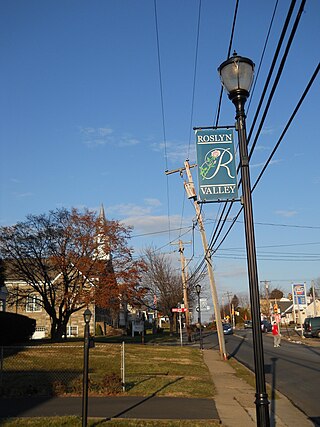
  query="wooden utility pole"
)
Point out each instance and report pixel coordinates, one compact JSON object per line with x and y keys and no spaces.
{"x":266,"y":284}
{"x":184,"y":276}
{"x":314,"y":299}
{"x":229,"y":294}
{"x":191,"y":193}
{"x":185,"y":288}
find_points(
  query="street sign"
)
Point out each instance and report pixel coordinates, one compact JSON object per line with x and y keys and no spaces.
{"x":217,"y":174}
{"x":179,"y":310}
{"x":299,"y":293}
{"x":203,"y":304}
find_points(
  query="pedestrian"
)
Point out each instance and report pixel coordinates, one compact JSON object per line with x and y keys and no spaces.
{"x":276,"y":335}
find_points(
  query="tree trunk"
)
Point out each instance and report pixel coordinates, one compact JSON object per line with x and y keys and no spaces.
{"x":59,"y":329}
{"x":171,"y":323}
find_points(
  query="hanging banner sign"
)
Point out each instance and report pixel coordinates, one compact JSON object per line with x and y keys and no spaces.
{"x":217,"y":174}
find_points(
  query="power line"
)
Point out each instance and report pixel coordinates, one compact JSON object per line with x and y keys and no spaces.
{"x":228,"y":55}
{"x":213,"y":241}
{"x":277,"y":78}
{"x":261,"y":58}
{"x":314,"y":75}
{"x":161,"y":232}
{"x":275,"y":148}
{"x":162,"y":110}
{"x":272,"y":66}
{"x":194,"y":76}
{"x":257,"y":113}
{"x":276,"y":246}
{"x":193,"y":94}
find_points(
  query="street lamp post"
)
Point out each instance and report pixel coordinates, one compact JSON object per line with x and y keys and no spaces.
{"x":236,"y":75}
{"x":87,"y":317}
{"x":198,"y":290}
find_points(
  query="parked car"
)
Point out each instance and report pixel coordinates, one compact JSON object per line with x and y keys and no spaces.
{"x":247,"y":324}
{"x":227,"y":329}
{"x":266,"y":326}
{"x":311,"y":327}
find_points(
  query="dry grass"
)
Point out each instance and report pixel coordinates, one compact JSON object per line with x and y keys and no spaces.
{"x":57,"y":369}
{"x":76,"y":422}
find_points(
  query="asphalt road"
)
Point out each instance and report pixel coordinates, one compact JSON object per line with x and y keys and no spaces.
{"x":293,"y":369}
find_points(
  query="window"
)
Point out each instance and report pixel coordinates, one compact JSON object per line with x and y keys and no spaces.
{"x":33,"y":303}
{"x":72,"y":331}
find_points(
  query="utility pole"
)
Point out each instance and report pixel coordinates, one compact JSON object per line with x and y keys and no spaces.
{"x":266,"y":286}
{"x":314,"y":299}
{"x":223,"y":309}
{"x":228,"y":294}
{"x":191,"y":193}
{"x":185,"y":287}
{"x":231,"y":310}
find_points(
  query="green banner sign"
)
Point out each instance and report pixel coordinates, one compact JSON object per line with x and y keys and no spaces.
{"x":217,"y":175}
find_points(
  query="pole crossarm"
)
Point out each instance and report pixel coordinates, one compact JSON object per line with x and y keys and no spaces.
{"x":180,"y":170}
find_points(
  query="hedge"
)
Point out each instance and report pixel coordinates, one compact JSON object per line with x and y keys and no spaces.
{"x":15,"y":328}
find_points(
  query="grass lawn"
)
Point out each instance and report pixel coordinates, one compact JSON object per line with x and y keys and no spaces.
{"x":149,"y":369}
{"x":76,"y":422}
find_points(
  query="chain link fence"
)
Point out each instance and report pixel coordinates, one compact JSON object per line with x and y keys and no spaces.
{"x":57,"y":370}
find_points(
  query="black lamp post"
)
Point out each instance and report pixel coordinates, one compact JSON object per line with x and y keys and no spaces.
{"x":87,"y":317}
{"x":236,"y":75}
{"x":198,"y":290}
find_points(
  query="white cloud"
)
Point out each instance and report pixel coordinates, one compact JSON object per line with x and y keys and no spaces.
{"x":153,"y":202}
{"x":105,"y":131}
{"x":94,"y":137}
{"x":23,"y":195}
{"x":154,"y":223}
{"x":131,"y":209}
{"x":286,"y":213}
{"x":260,"y":165}
{"x":126,"y":141}
{"x":267,"y":131}
{"x":176,"y":151}
{"x":144,"y":219}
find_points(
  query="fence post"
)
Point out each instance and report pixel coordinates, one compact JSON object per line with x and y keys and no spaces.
{"x":123,"y":377}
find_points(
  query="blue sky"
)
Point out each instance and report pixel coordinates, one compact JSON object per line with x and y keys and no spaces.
{"x":82,"y":124}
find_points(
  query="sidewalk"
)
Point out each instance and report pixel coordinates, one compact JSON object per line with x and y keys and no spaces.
{"x":233,"y":404}
{"x":126,"y":407}
{"x":234,"y":399}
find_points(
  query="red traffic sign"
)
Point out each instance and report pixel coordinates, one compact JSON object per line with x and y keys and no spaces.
{"x":179,"y":310}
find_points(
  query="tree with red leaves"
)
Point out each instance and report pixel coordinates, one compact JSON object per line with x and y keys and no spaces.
{"x":71,"y":259}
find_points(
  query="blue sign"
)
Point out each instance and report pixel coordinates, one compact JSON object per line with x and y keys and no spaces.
{"x":217,"y":174}
{"x":299,"y":294}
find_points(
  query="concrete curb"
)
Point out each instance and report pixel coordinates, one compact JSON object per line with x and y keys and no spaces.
{"x":235,"y":399}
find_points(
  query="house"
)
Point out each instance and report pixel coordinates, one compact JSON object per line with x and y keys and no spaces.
{"x":291,"y":314}
{"x":21,"y":298}
{"x":3,"y":298}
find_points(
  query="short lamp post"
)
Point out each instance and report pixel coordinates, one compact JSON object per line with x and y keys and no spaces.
{"x":87,"y":317}
{"x":198,"y":290}
{"x":236,"y":75}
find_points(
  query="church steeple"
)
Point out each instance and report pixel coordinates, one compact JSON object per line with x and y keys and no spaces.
{"x":101,"y":238}
{"x":102,"y":215}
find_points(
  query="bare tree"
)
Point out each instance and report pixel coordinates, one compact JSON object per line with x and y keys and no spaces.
{"x":164,"y":283}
